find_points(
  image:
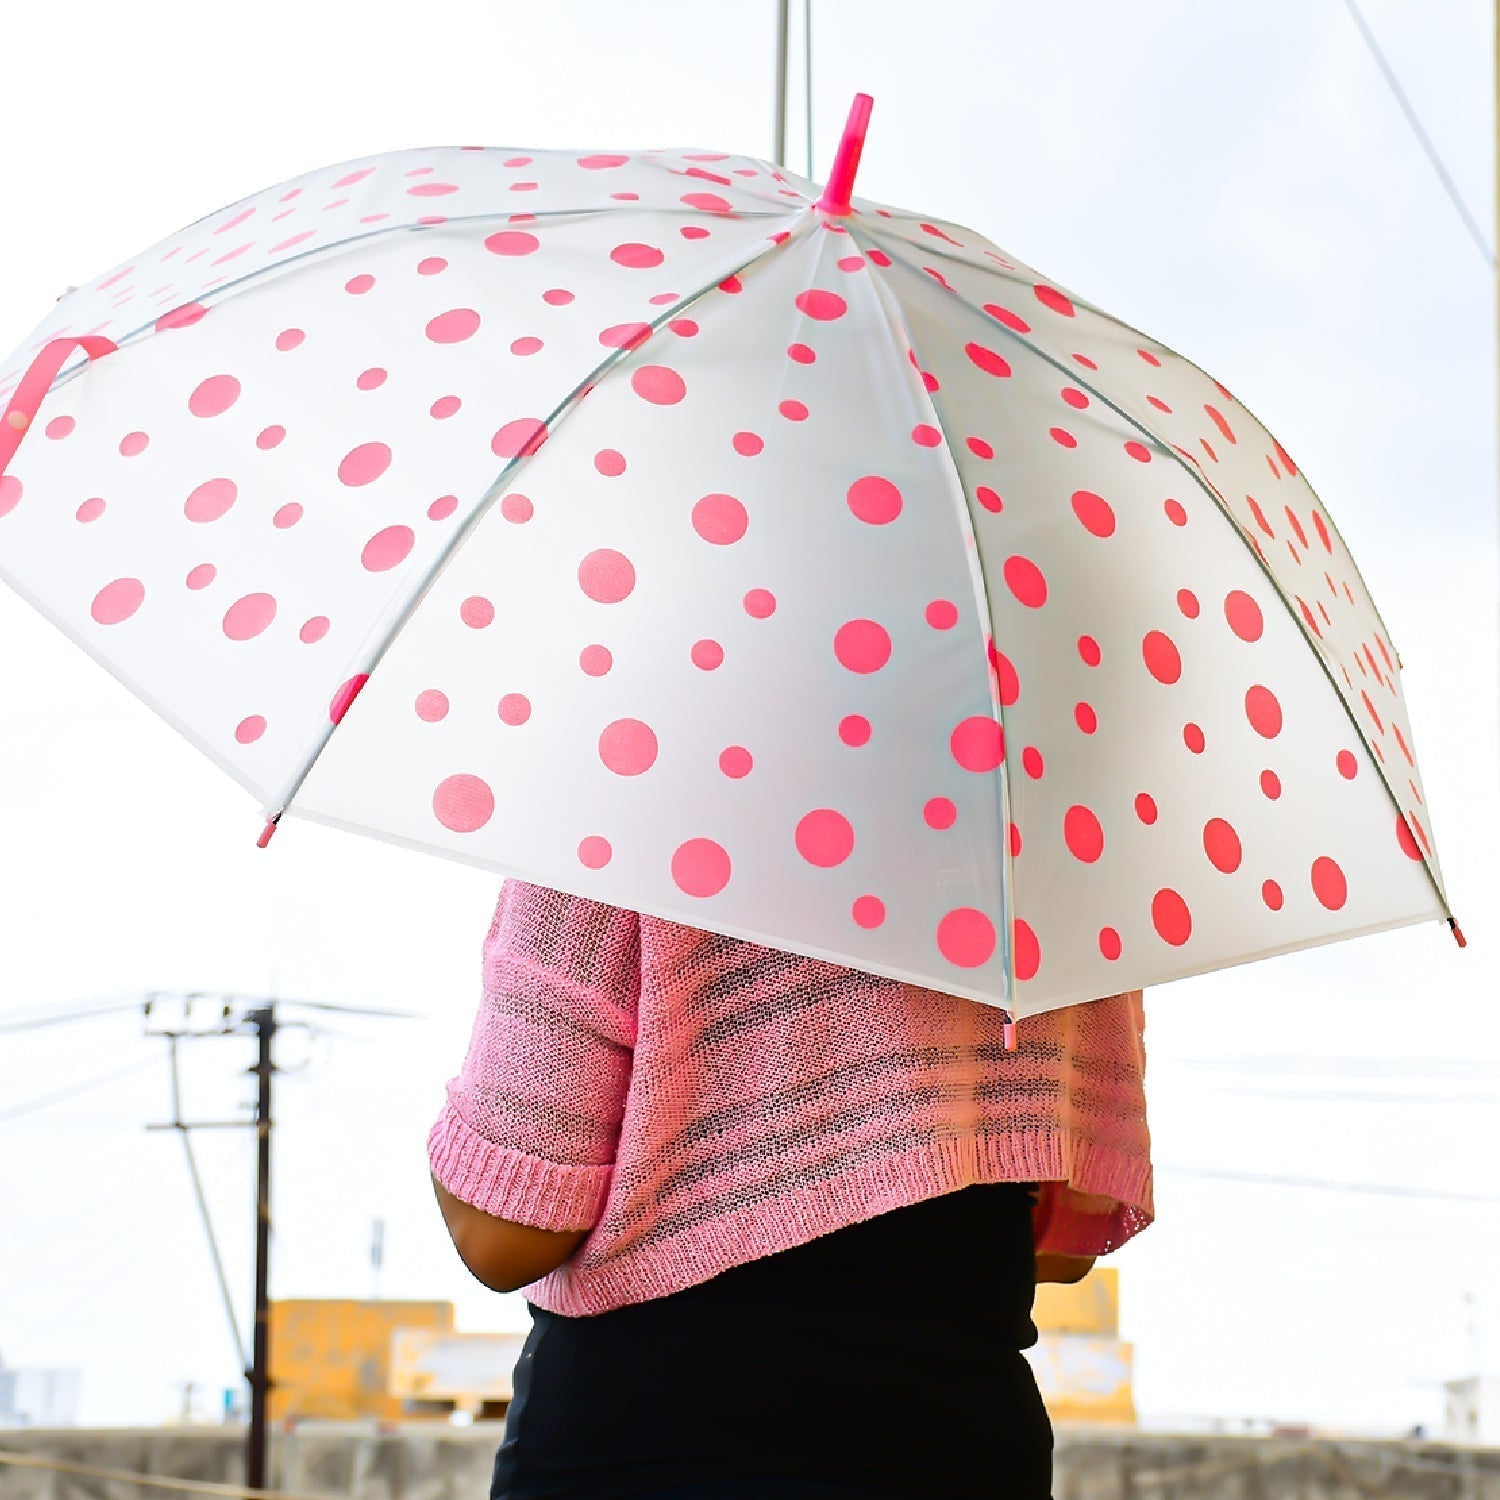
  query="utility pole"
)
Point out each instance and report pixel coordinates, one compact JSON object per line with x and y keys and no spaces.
{"x":783,"y":18}
{"x":264,"y":1022}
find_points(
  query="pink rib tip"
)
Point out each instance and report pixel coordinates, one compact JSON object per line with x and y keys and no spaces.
{"x":265,"y":834}
{"x":837,"y":193}
{"x":1458,"y":932}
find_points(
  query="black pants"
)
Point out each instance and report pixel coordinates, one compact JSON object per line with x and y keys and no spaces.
{"x":882,"y":1360}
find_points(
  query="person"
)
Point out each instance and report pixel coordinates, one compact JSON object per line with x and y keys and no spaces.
{"x":778,"y":1222}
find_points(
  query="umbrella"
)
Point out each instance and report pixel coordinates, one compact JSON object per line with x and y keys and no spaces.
{"x":655,"y":526}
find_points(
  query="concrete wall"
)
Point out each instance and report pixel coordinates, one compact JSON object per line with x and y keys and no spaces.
{"x":444,"y":1463}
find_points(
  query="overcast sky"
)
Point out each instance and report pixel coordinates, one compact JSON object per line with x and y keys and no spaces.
{"x":1235,"y":179}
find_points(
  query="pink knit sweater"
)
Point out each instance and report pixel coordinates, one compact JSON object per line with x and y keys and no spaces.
{"x":696,"y":1101}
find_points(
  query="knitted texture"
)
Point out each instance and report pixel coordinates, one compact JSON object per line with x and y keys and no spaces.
{"x":697,"y":1101}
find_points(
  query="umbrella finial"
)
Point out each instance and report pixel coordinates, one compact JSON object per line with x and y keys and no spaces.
{"x":836,"y":193}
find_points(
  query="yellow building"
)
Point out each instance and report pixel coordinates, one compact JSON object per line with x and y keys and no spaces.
{"x":1082,"y":1368}
{"x":331,"y":1359}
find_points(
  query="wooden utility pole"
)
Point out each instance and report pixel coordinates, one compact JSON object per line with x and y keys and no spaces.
{"x":259,"y":1373}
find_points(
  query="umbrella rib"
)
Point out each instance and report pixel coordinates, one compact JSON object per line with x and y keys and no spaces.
{"x":1014,"y":278}
{"x":502,"y":481}
{"x":900,"y":332}
{"x":1196,"y":474}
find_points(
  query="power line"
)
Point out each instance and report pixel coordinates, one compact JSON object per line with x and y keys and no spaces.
{"x":1449,"y":186}
{"x":59,"y":1017}
{"x":58,"y":1096}
{"x":1323,"y":1184}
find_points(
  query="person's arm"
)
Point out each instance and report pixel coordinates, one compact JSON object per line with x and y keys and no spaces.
{"x":1066,"y":1269}
{"x":501,"y":1255}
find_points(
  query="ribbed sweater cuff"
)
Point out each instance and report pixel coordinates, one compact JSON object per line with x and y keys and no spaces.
{"x":511,"y":1185}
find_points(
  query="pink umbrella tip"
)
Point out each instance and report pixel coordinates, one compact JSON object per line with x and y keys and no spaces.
{"x":1458,"y":932}
{"x":840,"y":185}
{"x":265,"y":833}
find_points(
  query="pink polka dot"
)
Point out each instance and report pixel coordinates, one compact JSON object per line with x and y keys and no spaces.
{"x":201,"y":576}
{"x":987,"y":360}
{"x":868,"y":911}
{"x":793,"y":411}
{"x":979,"y":448}
{"x":874,"y":500}
{"x":359,"y":285}
{"x":1072,"y":395}
{"x":453,"y":326}
{"x":854,"y":730}
{"x":463,"y":803}
{"x":1110,"y":946}
{"x":1263,"y":710}
{"x":978,"y":744}
{"x":925,"y":435}
{"x":1243,"y":615}
{"x":10,"y":493}
{"x":1271,"y":894}
{"x":90,"y":510}
{"x":747,"y":444}
{"x":1015,"y":842}
{"x":133,"y":443}
{"x":1163,"y":661}
{"x":625,"y":335}
{"x":444,"y":407}
{"x":1145,"y":808}
{"x":1175,"y":513}
{"x":658,"y":384}
{"x":248,"y":616}
{"x":1032,"y":763}
{"x":606,"y":576}
{"x":942,"y":614}
{"x":1348,"y":767}
{"x":609,"y":462}
{"x":287,"y":515}
{"x":823,"y":306}
{"x":1187,"y":602}
{"x":1329,"y":884}
{"x":289,"y":338}
{"x":59,"y":428}
{"x":594,"y":852}
{"x":989,"y":499}
{"x":801,"y":353}
{"x":595,"y":661}
{"x":684,"y":328}
{"x":520,"y":438}
{"x":514,"y":709}
{"x":387,"y":548}
{"x":825,"y":838}
{"x":1095,"y":513}
{"x":117,"y":601}
{"x":431,"y":705}
{"x":1192,"y":737}
{"x":635,"y":256}
{"x":371,"y":379}
{"x":628,"y":747}
{"x":247,"y":731}
{"x":760,"y":604}
{"x":431,"y":265}
{"x":1088,"y":651}
{"x":364,"y":464}
{"x":1171,"y":917}
{"x":1139,"y":452}
{"x":1049,"y":296}
{"x":736,"y":762}
{"x":214,"y":396}
{"x":940,"y":812}
{"x":557,"y":297}
{"x":526,"y":345}
{"x":517,"y":509}
{"x":720,"y":519}
{"x":210,"y":500}
{"x":862,"y":646}
{"x":476,"y":612}
{"x":1026,"y":581}
{"x":601,"y":161}
{"x":313,"y":630}
{"x":512,"y":242}
{"x":1406,"y":839}
{"x":1083,"y":834}
{"x":1085,"y":718}
{"x":181,"y":317}
{"x":270,"y":437}
{"x":700,"y":867}
{"x":966,"y":938}
{"x":1004,"y":315}
{"x":1270,"y":785}
{"x":443,"y":507}
{"x":707,"y":656}
{"x":1025,"y":948}
{"x":1222,"y":845}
